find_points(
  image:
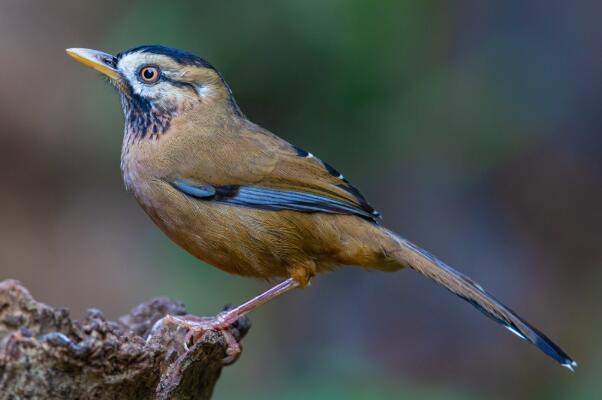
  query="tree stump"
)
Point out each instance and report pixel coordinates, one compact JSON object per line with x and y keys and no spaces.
{"x":44,"y":354}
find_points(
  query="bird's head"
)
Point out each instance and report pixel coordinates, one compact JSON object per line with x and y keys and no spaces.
{"x":159,"y":83}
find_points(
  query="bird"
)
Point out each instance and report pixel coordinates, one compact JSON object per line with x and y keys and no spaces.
{"x":246,"y":201}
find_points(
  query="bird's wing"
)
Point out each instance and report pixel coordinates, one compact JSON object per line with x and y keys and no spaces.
{"x":263,"y":171}
{"x":270,"y":199}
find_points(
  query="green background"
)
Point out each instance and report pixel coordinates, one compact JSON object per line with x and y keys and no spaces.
{"x":474,"y":127}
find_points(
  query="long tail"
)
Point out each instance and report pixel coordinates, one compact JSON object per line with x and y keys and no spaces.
{"x":410,"y":255}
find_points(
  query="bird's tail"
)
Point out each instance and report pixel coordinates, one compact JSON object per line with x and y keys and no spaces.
{"x":410,"y":255}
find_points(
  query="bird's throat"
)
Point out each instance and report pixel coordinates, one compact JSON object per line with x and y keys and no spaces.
{"x":144,"y":120}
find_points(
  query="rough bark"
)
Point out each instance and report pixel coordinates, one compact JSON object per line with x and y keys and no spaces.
{"x":44,"y":354}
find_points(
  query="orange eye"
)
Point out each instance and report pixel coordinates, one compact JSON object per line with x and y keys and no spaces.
{"x":149,"y":74}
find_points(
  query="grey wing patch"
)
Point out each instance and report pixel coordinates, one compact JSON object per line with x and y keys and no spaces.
{"x":200,"y":192}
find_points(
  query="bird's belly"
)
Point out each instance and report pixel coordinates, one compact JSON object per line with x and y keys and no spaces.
{"x":262,"y":243}
{"x":235,"y":239}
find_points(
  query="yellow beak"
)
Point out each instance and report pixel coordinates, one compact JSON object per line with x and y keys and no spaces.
{"x":101,"y":62}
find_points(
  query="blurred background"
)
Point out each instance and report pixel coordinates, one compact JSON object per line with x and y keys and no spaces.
{"x":474,"y":127}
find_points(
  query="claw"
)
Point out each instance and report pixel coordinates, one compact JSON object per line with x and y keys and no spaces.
{"x":233,"y":350}
{"x":198,"y":326}
{"x":157,"y":327}
{"x":192,"y":336}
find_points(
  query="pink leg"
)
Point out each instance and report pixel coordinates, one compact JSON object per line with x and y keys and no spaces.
{"x":227,"y":318}
{"x":197,"y":326}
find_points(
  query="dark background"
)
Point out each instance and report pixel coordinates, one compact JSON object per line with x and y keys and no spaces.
{"x":473,"y":126}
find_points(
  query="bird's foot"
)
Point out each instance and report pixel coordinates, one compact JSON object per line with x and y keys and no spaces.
{"x":227,"y":320}
{"x":197,"y":327}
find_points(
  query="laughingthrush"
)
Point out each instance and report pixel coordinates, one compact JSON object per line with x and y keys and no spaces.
{"x":242,"y":199}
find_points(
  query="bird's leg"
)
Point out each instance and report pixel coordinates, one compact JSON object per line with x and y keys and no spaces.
{"x":197,"y":326}
{"x":227,"y":318}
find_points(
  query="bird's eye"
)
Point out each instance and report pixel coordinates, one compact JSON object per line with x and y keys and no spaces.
{"x":149,"y":74}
